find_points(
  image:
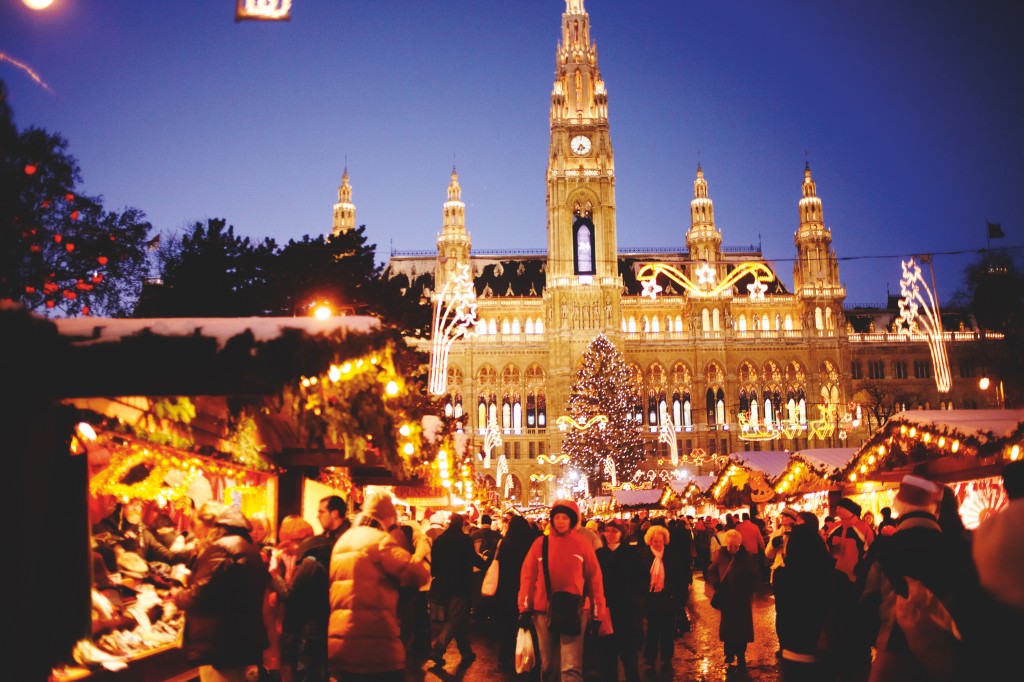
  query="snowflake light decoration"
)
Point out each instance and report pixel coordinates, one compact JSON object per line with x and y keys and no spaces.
{"x":706,"y":274}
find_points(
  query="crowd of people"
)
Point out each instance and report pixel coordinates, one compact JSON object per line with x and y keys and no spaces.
{"x":375,"y":593}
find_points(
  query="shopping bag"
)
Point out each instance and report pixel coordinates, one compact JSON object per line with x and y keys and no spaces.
{"x":526,"y":658}
{"x":490,"y":584}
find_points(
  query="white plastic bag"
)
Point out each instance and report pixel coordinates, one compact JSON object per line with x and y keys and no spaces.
{"x":525,"y":656}
{"x":489,"y":586}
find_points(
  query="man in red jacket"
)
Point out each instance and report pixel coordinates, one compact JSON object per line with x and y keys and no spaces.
{"x":573,"y":567}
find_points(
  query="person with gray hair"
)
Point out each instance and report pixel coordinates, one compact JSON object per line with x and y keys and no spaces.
{"x":734,"y":575}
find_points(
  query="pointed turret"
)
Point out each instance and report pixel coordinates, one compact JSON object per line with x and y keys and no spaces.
{"x":453,"y":244}
{"x":344,"y":210}
{"x":816,"y":271}
{"x":703,"y":239}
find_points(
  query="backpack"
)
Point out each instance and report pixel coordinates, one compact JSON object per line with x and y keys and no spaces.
{"x":931,"y":632}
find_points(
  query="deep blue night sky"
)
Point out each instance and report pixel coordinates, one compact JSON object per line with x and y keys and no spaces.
{"x":909,"y":114}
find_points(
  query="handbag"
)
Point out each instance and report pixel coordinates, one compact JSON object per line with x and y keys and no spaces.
{"x":489,"y":586}
{"x":563,"y":607}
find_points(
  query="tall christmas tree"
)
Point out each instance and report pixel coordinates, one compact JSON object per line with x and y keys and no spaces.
{"x":602,"y":387}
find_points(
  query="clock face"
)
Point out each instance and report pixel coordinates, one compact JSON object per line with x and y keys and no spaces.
{"x":580,"y":145}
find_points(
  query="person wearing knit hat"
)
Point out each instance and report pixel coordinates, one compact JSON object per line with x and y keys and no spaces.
{"x":775,"y":547}
{"x":560,"y":652}
{"x":848,"y":541}
{"x":364,"y":632}
{"x":918,"y":549}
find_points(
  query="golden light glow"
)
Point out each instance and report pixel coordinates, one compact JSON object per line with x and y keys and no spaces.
{"x":322,"y":312}
{"x":37,"y":4}
{"x":264,"y":10}
{"x":1014,"y":453}
{"x":706,"y":286}
{"x":454,"y":318}
{"x":565,"y":421}
{"x":983,"y":383}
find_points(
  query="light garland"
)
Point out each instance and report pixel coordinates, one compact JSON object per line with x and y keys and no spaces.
{"x":917,"y":313}
{"x":706,"y":286}
{"x":566,"y":421}
{"x":553,"y":459}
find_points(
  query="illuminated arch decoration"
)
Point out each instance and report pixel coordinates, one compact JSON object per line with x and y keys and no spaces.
{"x":454,"y":318}
{"x":553,"y":459}
{"x":492,"y":439}
{"x":566,"y":421}
{"x":919,"y":313}
{"x":706,"y":286}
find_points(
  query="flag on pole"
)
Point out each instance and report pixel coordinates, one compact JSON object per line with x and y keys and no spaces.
{"x":995,"y":231}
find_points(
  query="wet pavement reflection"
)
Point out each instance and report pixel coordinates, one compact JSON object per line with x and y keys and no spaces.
{"x":698,"y":653}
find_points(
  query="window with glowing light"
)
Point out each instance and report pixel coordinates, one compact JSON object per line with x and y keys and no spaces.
{"x":583,"y":246}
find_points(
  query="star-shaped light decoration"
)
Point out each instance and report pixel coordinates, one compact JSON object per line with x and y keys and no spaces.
{"x":757,"y":288}
{"x":706,"y":274}
{"x":651,"y":288}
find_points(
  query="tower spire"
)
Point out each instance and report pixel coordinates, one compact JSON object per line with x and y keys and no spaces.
{"x":703,"y":239}
{"x":453,"y":244}
{"x":816,"y":271}
{"x":344,"y":210}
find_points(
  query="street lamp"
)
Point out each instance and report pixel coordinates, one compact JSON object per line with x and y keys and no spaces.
{"x":984,"y":383}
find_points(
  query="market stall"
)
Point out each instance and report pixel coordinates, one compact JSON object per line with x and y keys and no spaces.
{"x":965,"y":449}
{"x":809,"y":477}
{"x":174,"y":404}
{"x":689,"y":497}
{"x":747,"y":478}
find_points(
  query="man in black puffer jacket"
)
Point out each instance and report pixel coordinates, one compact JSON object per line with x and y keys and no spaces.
{"x":223,"y":603}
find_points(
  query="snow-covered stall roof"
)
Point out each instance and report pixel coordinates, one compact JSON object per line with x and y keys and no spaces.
{"x":703,"y":482}
{"x":771,"y":462}
{"x":638,"y":498}
{"x":86,"y":330}
{"x":828,"y":459}
{"x":998,"y":423}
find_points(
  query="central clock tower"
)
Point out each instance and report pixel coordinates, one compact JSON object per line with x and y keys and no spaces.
{"x":583,"y":284}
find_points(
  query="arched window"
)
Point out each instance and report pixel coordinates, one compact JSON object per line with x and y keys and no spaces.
{"x":828,"y":318}
{"x":653,"y":417}
{"x":677,"y":410}
{"x":492,"y":326}
{"x":655,"y":324}
{"x":818,"y":321}
{"x":515,"y":326}
{"x":764,"y":322}
{"x":505,"y":327}
{"x":741,"y":324}
{"x":531,"y":411}
{"x":632,"y":324}
{"x":539,"y":326}
{"x":710,"y":406}
{"x":679,"y":323}
{"x":517,"y":413}
{"x":583,"y":246}
{"x":716,"y":320}
{"x":687,"y":412}
{"x":529,"y":325}
{"x":542,"y":411}
{"x":789,"y":322}
{"x":720,"y":408}
{"x":705,"y":320}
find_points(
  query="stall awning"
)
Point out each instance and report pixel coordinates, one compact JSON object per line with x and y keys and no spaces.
{"x":638,"y":499}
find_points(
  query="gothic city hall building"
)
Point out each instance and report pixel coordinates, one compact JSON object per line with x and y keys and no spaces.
{"x":719,"y":352}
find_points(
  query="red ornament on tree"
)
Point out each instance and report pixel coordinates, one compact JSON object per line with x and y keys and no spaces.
{"x":58,"y":238}
{"x":97,"y":278}
{"x":70,"y":295}
{"x":70,"y":247}
{"x":85,"y":310}
{"x":69,"y":196}
{"x":30,"y":290}
{"x":50,"y":304}
{"x":102,"y":260}
{"x":30,"y":169}
{"x":46,"y":203}
{"x":74,"y":215}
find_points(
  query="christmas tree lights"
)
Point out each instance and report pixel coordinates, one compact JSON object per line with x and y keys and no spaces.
{"x":602,"y":387}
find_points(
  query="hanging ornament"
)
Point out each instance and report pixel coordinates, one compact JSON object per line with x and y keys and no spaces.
{"x":50,"y":304}
{"x":30,"y":290}
{"x":70,"y":295}
{"x":85,"y":310}
{"x":102,"y":260}
{"x":50,"y":287}
{"x":46,"y":203}
{"x":58,"y":238}
{"x":70,"y":247}
{"x":30,"y":169}
{"x":69,"y":196}
{"x":97,"y":278}
{"x":35,"y":248}
{"x":74,"y":215}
